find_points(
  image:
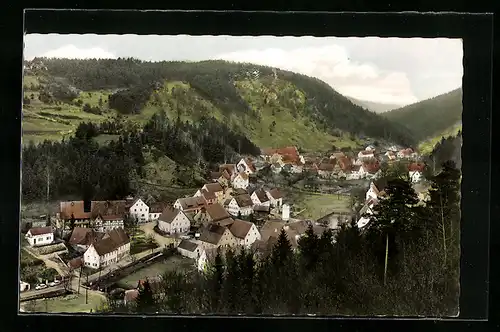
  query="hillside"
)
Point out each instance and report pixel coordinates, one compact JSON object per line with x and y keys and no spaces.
{"x":373,"y":106}
{"x":432,"y":117}
{"x":270,"y":107}
{"x":426,"y":147}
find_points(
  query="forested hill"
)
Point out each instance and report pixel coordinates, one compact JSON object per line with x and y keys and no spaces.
{"x":431,"y":117}
{"x":271,"y":107}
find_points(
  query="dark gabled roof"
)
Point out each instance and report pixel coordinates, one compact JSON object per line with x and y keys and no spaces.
{"x":212,"y":234}
{"x":115,"y":239}
{"x":261,"y":195}
{"x":108,"y":208}
{"x":188,"y":245}
{"x":213,"y":187}
{"x":208,"y":195}
{"x":84,"y":236}
{"x":240,"y":228}
{"x":244,"y":200}
{"x":73,"y":208}
{"x":217,"y":212}
{"x":275,"y":193}
{"x":40,"y":230}
{"x":192,"y":202}
{"x":157,"y":207}
{"x":168,"y":215}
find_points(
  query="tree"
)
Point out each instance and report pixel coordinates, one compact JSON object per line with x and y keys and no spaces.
{"x":282,"y":250}
{"x":100,"y":102}
{"x":395,"y":215}
{"x":145,"y":301}
{"x":309,"y":248}
{"x":444,"y":207}
{"x":72,"y":222}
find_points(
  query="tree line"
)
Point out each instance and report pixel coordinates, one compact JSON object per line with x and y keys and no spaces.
{"x":405,"y":263}
{"x":214,"y":81}
{"x":83,"y":168}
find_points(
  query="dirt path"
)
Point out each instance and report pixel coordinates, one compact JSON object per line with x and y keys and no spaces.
{"x":148,"y":229}
{"x":49,"y":263}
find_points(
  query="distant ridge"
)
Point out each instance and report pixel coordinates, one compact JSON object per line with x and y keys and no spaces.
{"x":374,"y":106}
{"x":430,"y":117}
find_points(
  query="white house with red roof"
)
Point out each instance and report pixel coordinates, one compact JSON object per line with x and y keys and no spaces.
{"x":415,"y":171}
{"x":40,"y":236}
{"x":366,"y":154}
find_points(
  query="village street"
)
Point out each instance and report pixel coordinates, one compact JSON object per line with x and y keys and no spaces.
{"x":47,"y":259}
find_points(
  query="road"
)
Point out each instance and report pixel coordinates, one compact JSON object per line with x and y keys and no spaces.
{"x":32,"y":293}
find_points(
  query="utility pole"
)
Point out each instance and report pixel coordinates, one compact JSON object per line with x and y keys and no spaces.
{"x":87,"y":290}
{"x":79,"y":279}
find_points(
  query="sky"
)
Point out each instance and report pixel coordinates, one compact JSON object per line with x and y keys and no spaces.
{"x":396,"y":71}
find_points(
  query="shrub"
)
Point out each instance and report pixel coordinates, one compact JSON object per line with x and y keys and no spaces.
{"x":45,"y":250}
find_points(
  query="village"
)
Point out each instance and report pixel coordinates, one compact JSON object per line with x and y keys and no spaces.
{"x":94,"y":246}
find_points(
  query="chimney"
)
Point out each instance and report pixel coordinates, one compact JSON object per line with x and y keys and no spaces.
{"x":87,"y":205}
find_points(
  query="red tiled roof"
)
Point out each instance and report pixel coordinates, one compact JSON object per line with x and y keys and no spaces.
{"x":344,"y":163}
{"x":229,"y":168}
{"x":240,"y":228}
{"x":364,"y":152}
{"x":414,"y":167}
{"x":40,"y":230}
{"x":327,"y":167}
{"x":75,"y":263}
{"x":75,"y":208}
{"x":371,"y":167}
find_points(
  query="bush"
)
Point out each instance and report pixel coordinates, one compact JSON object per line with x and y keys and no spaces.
{"x":45,"y":250}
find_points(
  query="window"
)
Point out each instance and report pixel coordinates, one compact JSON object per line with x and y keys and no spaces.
{"x":135,"y":210}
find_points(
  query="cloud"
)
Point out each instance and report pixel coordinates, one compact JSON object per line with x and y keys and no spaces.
{"x":73,"y":52}
{"x":333,"y":65}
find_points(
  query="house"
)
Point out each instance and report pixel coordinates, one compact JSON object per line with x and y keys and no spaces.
{"x":310,"y":166}
{"x":365,"y":213}
{"x":207,"y":256}
{"x":210,"y":197}
{"x":244,"y":232}
{"x":366,"y":154}
{"x":190,"y":249}
{"x":40,"y":236}
{"x":415,"y":171}
{"x":370,"y":148}
{"x":211,"y":190}
{"x":345,"y":164}
{"x":81,"y":238}
{"x":259,"y":198}
{"x":275,"y":197}
{"x":290,"y":153}
{"x":337,"y":155}
{"x":370,"y":169}
{"x":138,"y":210}
{"x":229,"y":168}
{"x":223,"y":178}
{"x":405,"y":153}
{"x":79,"y":211}
{"x":376,"y":189}
{"x":240,"y":204}
{"x":246,"y":165}
{"x":75,"y":263}
{"x":422,"y":191}
{"x":390,"y":155}
{"x":174,"y":221}
{"x":212,"y":213}
{"x":240,"y":181}
{"x":110,"y":249}
{"x":326,"y":169}
{"x":190,"y":204}
{"x":108,"y":222}
{"x":215,"y":235}
{"x":155,"y":210}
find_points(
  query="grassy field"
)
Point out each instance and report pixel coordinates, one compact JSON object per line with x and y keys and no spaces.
{"x":316,"y":206}
{"x":173,"y":263}
{"x":427,"y":146}
{"x":140,"y":242}
{"x":65,"y":304}
{"x":105,"y":139}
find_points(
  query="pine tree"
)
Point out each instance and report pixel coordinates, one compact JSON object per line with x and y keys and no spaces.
{"x":309,"y":248}
{"x":282,"y":250}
